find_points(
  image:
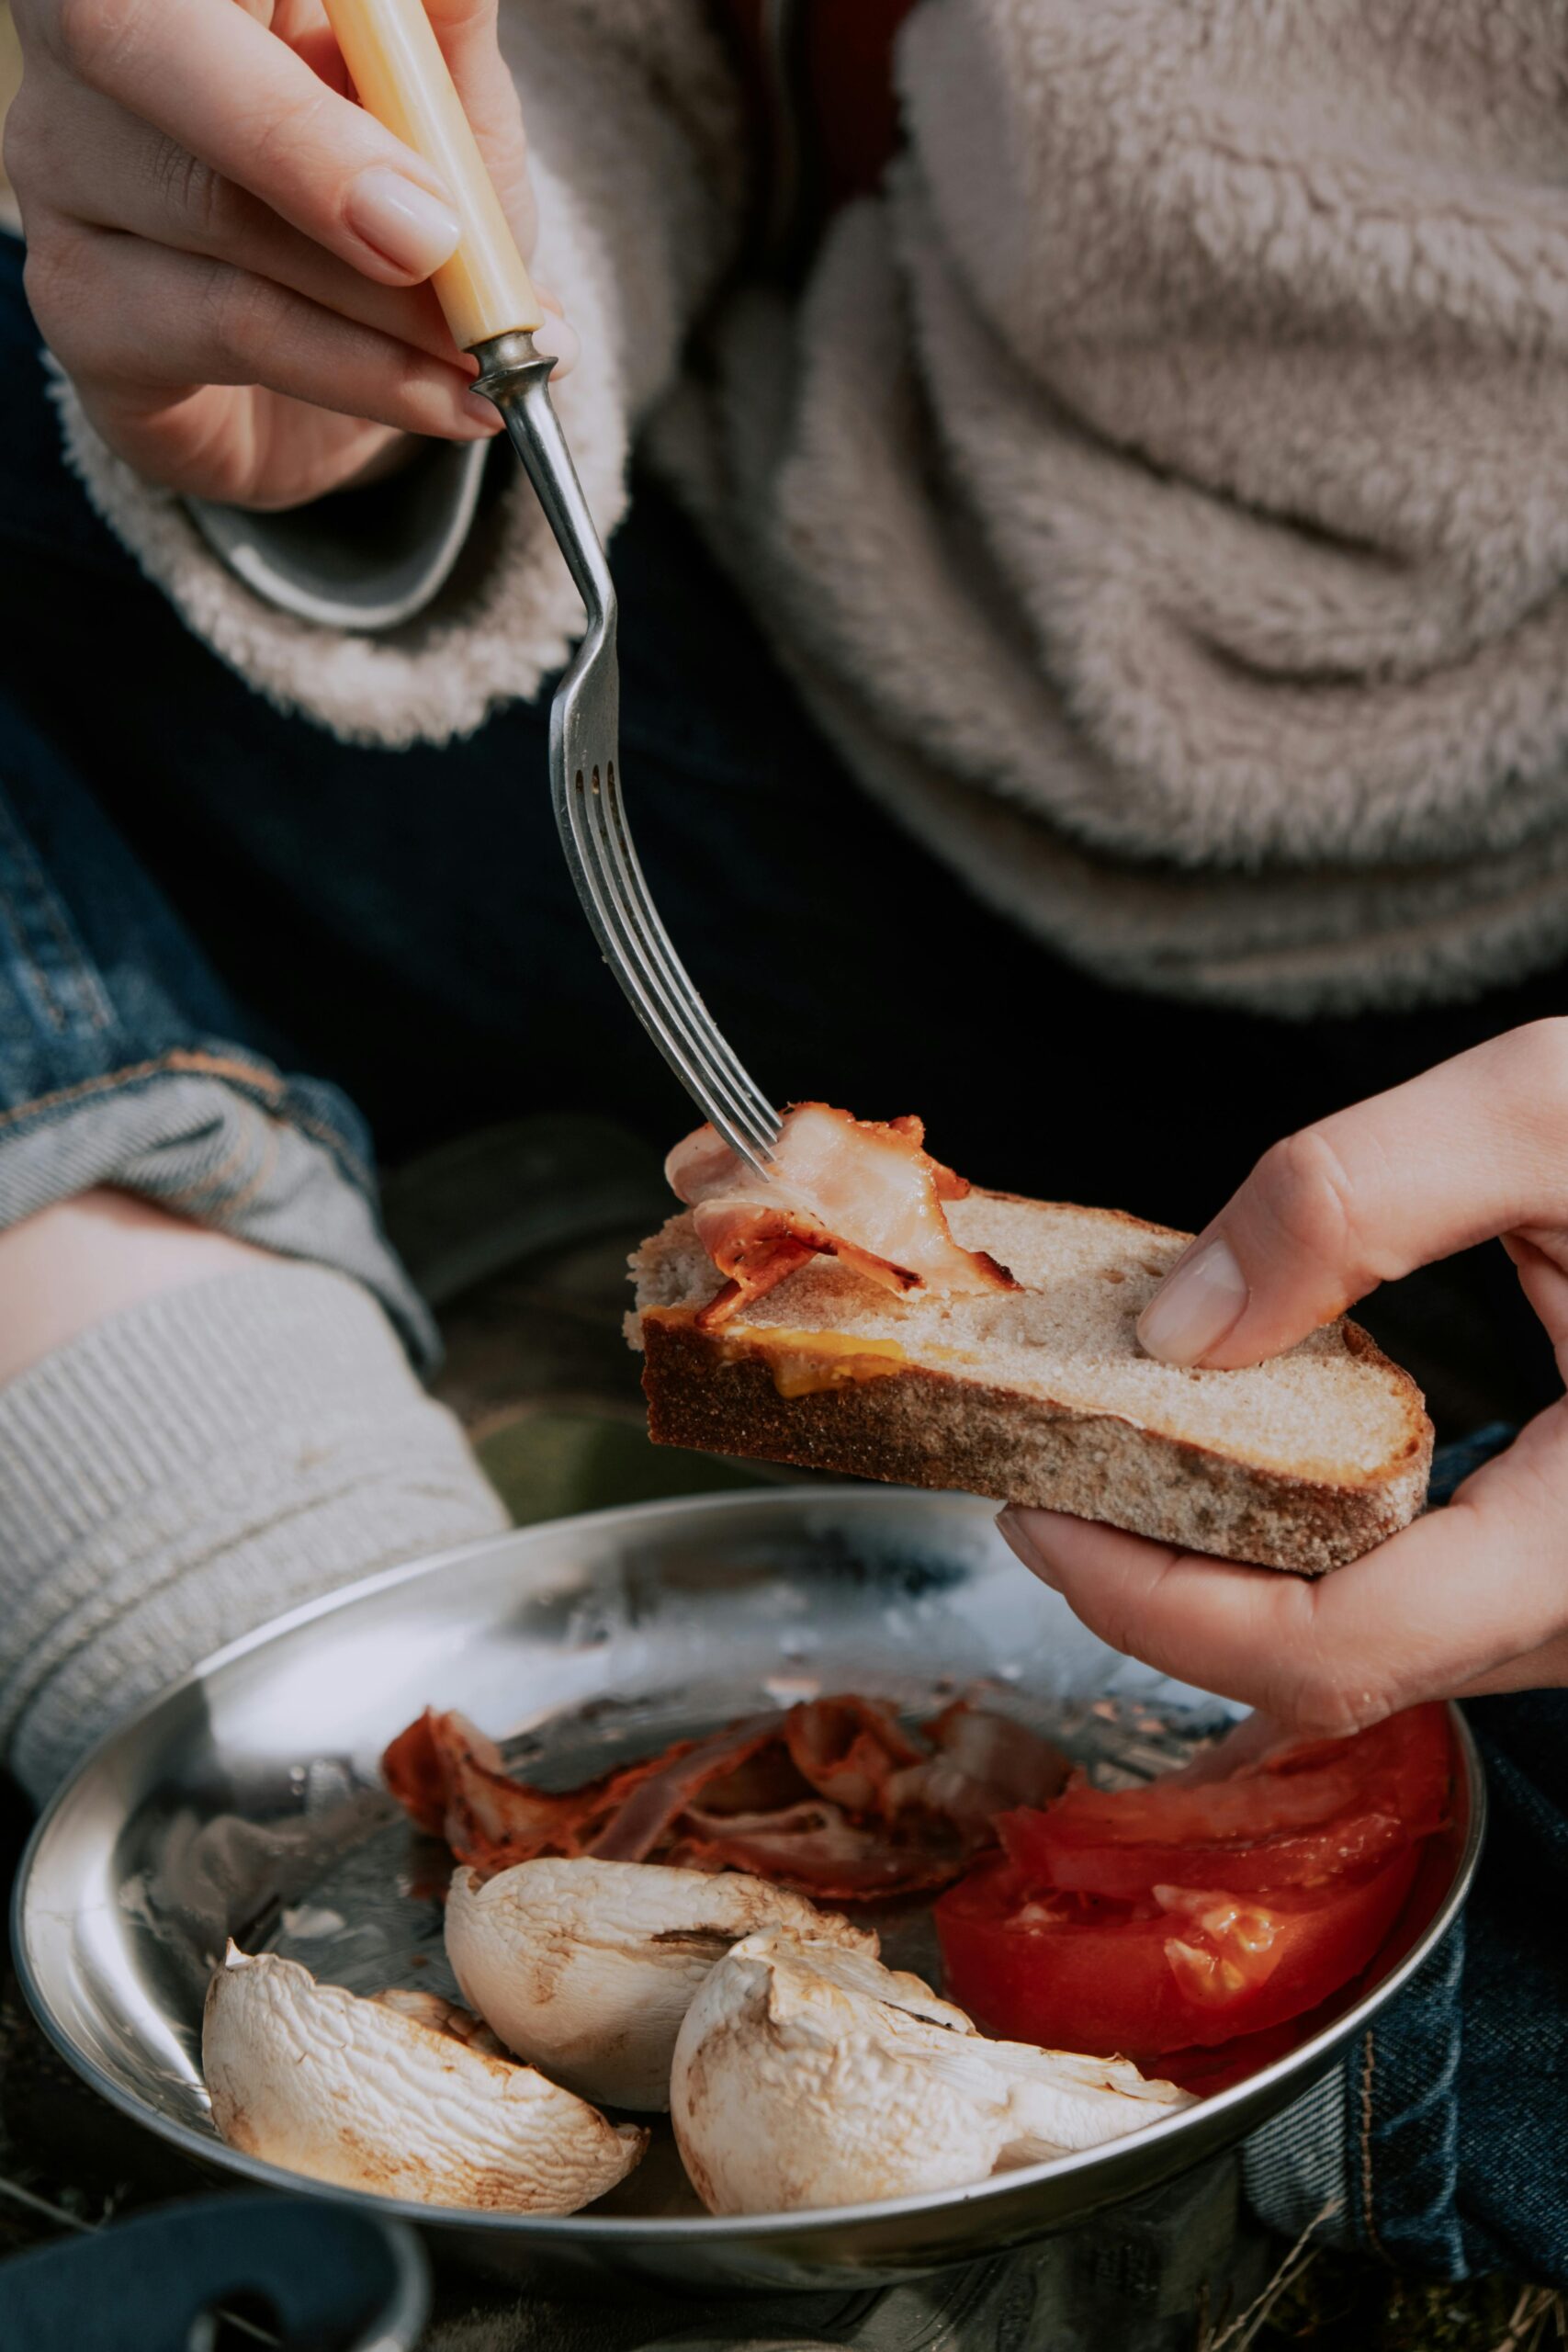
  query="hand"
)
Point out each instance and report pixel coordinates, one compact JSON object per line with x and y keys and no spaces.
{"x":226,"y":253}
{"x":1470,"y":1600}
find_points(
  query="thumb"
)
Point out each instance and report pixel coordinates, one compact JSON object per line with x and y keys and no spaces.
{"x":1476,"y":1147}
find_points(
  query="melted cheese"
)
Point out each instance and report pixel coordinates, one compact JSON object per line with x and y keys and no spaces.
{"x":802,"y":1363}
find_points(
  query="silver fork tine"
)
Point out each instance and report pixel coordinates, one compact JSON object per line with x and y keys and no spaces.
{"x":672,"y":1040}
{"x":584,"y":719}
{"x":632,"y":892}
{"x":491,"y":307}
{"x":628,"y":870}
{"x":687,"y":1053}
{"x":728,"y":1073}
{"x":674,"y":1016}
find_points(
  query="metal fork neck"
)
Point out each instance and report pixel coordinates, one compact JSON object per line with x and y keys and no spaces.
{"x":506,"y":363}
{"x":585,"y":787}
{"x":516,"y":375}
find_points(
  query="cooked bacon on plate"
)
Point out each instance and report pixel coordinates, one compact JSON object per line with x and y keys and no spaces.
{"x":858,"y":1190}
{"x":834,"y":1797}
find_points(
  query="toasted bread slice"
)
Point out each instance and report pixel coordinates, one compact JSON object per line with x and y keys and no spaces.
{"x":1040,"y":1396}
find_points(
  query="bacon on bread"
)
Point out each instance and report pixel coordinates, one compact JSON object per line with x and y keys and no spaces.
{"x":863,"y":1190}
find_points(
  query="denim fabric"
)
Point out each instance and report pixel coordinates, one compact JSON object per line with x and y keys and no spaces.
{"x":122,"y":1062}
{"x":1438,"y":2141}
{"x":198,"y":890}
{"x":1461,"y":2097}
{"x":124,"y":1058}
{"x":1456,"y":2098}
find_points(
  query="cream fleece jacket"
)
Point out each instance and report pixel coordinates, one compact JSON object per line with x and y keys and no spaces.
{"x":1159,"y":492}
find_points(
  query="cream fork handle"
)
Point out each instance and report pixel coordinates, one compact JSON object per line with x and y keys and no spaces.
{"x":391,"y":52}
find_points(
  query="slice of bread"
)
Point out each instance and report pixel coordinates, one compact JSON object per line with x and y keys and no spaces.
{"x":1040,"y":1396}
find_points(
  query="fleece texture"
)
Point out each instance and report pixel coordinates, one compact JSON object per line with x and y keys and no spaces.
{"x":1159,"y":491}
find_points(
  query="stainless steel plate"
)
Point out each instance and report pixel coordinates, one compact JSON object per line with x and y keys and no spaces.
{"x":247,"y":1801}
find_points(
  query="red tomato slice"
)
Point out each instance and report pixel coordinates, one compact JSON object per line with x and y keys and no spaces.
{"x":1208,"y":2071}
{"x":1302,"y":1816}
{"x":1183,"y":1969}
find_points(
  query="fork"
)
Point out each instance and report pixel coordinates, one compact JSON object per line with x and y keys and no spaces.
{"x":487,"y":297}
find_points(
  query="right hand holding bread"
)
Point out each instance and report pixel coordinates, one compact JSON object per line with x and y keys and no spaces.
{"x":1468,"y":1600}
{"x":226,"y":253}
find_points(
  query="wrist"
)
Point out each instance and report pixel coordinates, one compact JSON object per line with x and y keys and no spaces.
{"x":80,"y":1260}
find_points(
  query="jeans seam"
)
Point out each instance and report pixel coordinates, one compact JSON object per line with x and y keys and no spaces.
{"x":208,"y":1184}
{"x":1368,"y":2222}
{"x":97,"y":1012}
{"x":51,"y":1004}
{"x":231,"y":1203}
{"x":179,"y":1062}
{"x":182,"y":1062}
{"x":329,"y":1137}
{"x":261,"y":1173}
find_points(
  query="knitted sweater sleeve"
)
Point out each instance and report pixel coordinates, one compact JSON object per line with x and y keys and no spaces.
{"x":193,"y":1465}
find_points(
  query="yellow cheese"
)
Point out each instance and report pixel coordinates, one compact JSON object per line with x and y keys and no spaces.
{"x":801,"y":1362}
{"x":804,"y":1363}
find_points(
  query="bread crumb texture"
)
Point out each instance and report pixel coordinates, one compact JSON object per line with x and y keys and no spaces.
{"x":1333,"y":1409}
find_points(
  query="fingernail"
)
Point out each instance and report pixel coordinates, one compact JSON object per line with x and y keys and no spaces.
{"x":558,"y":341}
{"x":1022,"y":1547}
{"x":483,"y":413}
{"x":413,"y":228}
{"x":1196,"y":1305}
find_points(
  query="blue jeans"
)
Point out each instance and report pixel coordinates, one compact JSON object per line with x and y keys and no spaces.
{"x":238,"y":959}
{"x":1448,"y":2114}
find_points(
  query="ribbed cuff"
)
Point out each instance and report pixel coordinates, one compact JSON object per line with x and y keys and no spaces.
{"x":193,"y":1467}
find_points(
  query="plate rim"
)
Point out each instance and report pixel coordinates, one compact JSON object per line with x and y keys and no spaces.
{"x":1309,"y":2059}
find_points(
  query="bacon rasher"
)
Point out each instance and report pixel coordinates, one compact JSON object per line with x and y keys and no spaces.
{"x":833,"y":1797}
{"x":862,"y":1191}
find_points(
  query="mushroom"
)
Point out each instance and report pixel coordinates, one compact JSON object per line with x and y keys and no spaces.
{"x":400,"y":2093}
{"x":587,"y":1968}
{"x":805,"y":2075}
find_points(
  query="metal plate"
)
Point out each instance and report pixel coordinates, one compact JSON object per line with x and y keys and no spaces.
{"x":247,"y":1801}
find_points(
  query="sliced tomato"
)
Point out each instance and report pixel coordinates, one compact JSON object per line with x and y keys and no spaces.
{"x":1300,"y":1817}
{"x":1179,"y":1969}
{"x":1205,"y":2072}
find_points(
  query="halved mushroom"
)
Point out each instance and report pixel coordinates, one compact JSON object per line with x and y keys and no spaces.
{"x":400,"y":2094}
{"x":805,"y":2075}
{"x":587,"y":1968}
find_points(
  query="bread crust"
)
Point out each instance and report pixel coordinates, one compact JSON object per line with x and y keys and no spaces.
{"x":918,"y":1426}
